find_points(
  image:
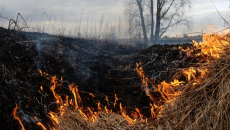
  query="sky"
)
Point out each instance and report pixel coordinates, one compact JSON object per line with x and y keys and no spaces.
{"x":72,"y":16}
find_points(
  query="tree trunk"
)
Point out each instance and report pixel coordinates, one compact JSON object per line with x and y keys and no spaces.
{"x":139,"y":2}
{"x":158,"y":21}
{"x":152,"y":21}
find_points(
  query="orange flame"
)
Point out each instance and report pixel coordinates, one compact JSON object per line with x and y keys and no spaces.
{"x":40,"y":72}
{"x":40,"y":124}
{"x":107,"y":110}
{"x":17,"y":118}
{"x":66,"y":100}
{"x":83,"y":114}
{"x":140,"y":115}
{"x":91,"y":95}
{"x":58,"y":98}
{"x":41,"y":88}
{"x":152,"y":111}
{"x":77,"y":99}
{"x":190,"y":73}
{"x":61,"y":78}
{"x":115,"y":100}
{"x":106,"y":98}
{"x":123,"y":112}
{"x":54,"y":118}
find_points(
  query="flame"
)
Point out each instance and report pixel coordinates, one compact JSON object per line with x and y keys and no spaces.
{"x":45,"y":73}
{"x":107,"y":110}
{"x":71,"y":102}
{"x":54,"y":117}
{"x":17,"y":118}
{"x":58,"y":98}
{"x":99,"y":106}
{"x":123,"y":112}
{"x":140,"y":115}
{"x":152,"y":111}
{"x":144,"y":79}
{"x":40,"y":72}
{"x":66,"y":101}
{"x":106,"y":98}
{"x":77,"y":99}
{"x":93,"y":115}
{"x":211,"y":48}
{"x":176,"y":82}
{"x":61,"y":78}
{"x":40,"y":124}
{"x":115,"y":100}
{"x":91,"y":95}
{"x":41,"y":88}
{"x":83,"y":114}
{"x":190,"y":73}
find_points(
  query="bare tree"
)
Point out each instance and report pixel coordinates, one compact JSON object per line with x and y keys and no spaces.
{"x":140,"y":6}
{"x":152,"y":20}
{"x":136,"y":24}
{"x":170,"y":13}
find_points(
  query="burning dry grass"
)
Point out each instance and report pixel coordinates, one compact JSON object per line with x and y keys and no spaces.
{"x":206,"y":106}
{"x":73,"y":120}
{"x":197,"y":98}
{"x":203,"y":103}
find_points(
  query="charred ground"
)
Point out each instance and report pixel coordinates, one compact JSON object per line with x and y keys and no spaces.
{"x":101,"y":67}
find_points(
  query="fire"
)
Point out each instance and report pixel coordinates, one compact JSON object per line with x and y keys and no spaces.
{"x":152,"y":111}
{"x":123,"y":112}
{"x":58,"y":98}
{"x":54,"y":118}
{"x":16,"y":117}
{"x":41,"y":88}
{"x":83,"y":114}
{"x":77,"y":99}
{"x":99,"y":106}
{"x":107,"y":110}
{"x":40,"y":72}
{"x":61,"y":78}
{"x":91,"y":95}
{"x":40,"y":124}
{"x":66,"y":101}
{"x":140,"y":115}
{"x":93,"y":115}
{"x":212,"y":47}
{"x":190,"y":73}
{"x":115,"y":100}
{"x":106,"y":98}
{"x":144,"y":79}
{"x":176,"y":82}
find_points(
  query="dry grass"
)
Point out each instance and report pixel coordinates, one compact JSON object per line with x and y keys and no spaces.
{"x":73,"y":120}
{"x":206,"y":106}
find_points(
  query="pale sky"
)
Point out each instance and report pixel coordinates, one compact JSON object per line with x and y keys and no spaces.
{"x":69,"y":13}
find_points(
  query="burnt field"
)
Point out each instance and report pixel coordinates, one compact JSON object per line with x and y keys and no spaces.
{"x":100,"y":67}
{"x":56,"y":82}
